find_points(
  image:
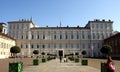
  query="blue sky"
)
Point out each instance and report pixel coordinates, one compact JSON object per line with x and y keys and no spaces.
{"x":69,"y":12}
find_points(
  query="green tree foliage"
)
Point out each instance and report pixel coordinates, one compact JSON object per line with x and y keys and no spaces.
{"x":35,"y":52}
{"x":76,"y":53}
{"x":106,"y":49}
{"x":84,"y":52}
{"x":43,"y":53}
{"x":14,"y":50}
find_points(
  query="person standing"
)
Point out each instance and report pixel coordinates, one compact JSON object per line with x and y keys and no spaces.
{"x":110,"y":66}
{"x":60,"y":59}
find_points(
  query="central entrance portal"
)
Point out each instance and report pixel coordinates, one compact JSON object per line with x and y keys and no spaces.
{"x":60,"y":52}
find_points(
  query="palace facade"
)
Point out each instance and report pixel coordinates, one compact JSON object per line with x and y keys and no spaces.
{"x":55,"y":39}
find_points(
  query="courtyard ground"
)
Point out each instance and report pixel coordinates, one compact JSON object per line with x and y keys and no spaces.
{"x":94,"y":63}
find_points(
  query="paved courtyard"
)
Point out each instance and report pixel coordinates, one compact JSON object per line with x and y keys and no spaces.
{"x":56,"y":66}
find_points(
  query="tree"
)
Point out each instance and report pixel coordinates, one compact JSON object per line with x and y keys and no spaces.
{"x":76,"y":53}
{"x":43,"y":53}
{"x":106,"y":49}
{"x":36,"y":52}
{"x":14,"y":50}
{"x":84,"y":52}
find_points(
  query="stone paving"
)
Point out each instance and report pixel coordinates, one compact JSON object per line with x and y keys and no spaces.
{"x":56,"y":66}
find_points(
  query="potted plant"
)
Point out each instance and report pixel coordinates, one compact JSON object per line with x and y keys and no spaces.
{"x":77,"y":58}
{"x":15,"y":66}
{"x":84,"y":61}
{"x":43,"y":58}
{"x":36,"y":61}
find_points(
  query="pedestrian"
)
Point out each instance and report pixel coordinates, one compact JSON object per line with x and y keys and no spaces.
{"x":60,"y":59}
{"x":110,"y":66}
{"x":64,"y":59}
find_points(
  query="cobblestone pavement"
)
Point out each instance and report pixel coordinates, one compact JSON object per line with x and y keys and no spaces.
{"x":56,"y":66}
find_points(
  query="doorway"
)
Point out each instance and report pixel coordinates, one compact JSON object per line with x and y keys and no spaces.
{"x":60,"y":52}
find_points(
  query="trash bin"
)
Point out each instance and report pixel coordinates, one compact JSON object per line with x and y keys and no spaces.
{"x":103,"y":67}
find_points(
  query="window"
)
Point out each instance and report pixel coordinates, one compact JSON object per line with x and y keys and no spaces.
{"x":93,"y":26}
{"x":48,"y":45}
{"x":60,"y":45}
{"x":71,"y":36}
{"x":77,"y":36}
{"x":83,"y":45}
{"x":37,"y":45}
{"x":97,"y":26}
{"x":17,"y":26}
{"x":83,"y":36}
{"x":37,"y":36}
{"x":43,"y":46}
{"x":89,"y":45}
{"x":21,"y":46}
{"x":54,"y":36}
{"x":22,"y":37}
{"x":32,"y":36}
{"x":66,"y":37}
{"x":43,"y":36}
{"x":26,"y":36}
{"x":93,"y":35}
{"x":26,"y":46}
{"x":105,"y":26}
{"x":98,"y":45}
{"x":60,"y":36}
{"x":32,"y":46}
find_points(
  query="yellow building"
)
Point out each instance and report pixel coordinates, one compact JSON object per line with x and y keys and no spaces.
{"x":6,"y":42}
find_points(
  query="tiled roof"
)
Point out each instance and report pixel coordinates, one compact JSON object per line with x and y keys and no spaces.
{"x":6,"y":36}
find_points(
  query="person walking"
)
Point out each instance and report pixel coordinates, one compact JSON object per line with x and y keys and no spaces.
{"x":110,"y":66}
{"x":64,"y":59}
{"x":60,"y":59}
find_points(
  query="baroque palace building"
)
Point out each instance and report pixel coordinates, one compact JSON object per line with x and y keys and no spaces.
{"x":60,"y":39}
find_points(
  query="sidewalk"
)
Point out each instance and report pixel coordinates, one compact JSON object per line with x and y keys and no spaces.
{"x":56,"y":66}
